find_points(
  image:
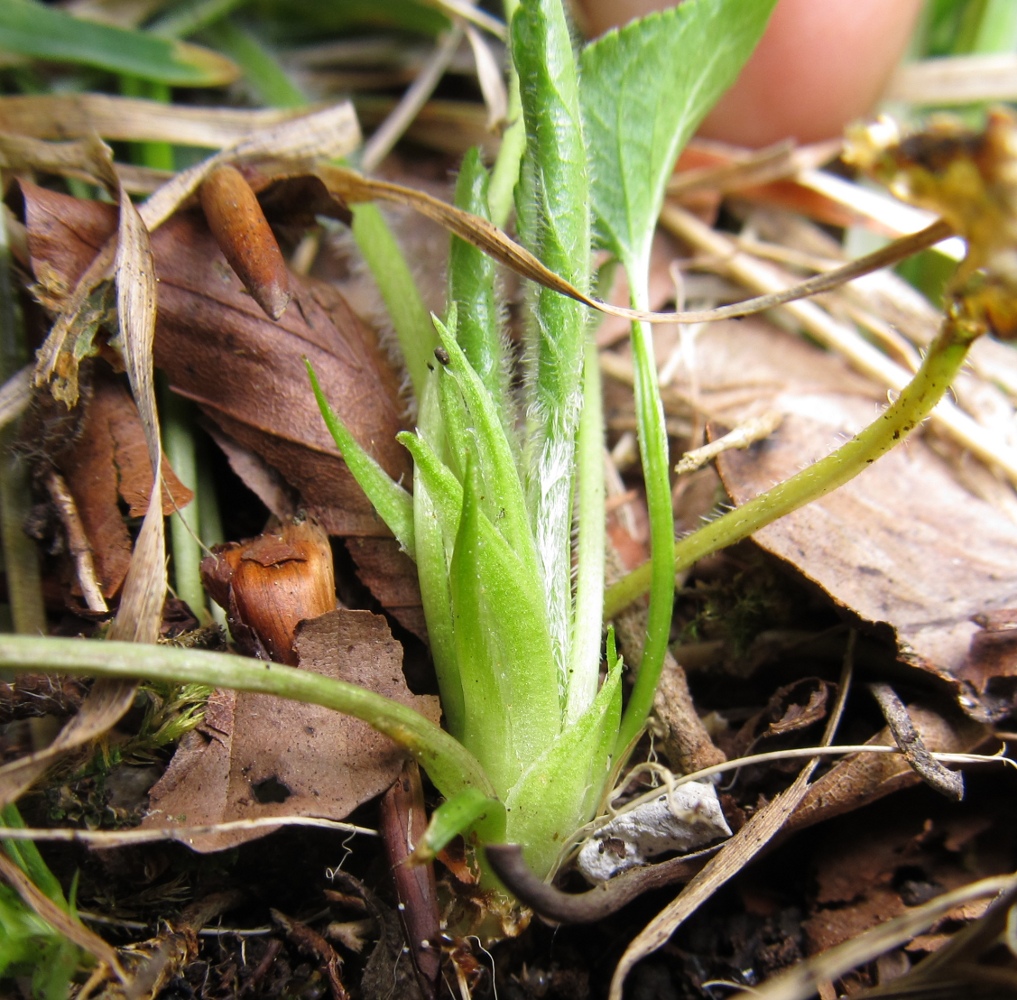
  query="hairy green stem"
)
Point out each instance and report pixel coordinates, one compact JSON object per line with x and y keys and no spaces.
{"x":591,"y":541}
{"x":552,"y":209}
{"x":918,"y":398}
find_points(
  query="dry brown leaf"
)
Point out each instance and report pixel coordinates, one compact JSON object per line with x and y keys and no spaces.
{"x":71,"y":116}
{"x":332,"y":131}
{"x":269,"y":584}
{"x":144,"y":590}
{"x":258,"y":756}
{"x":991,"y":663}
{"x":802,"y":981}
{"x":247,"y":372}
{"x":866,"y":777}
{"x":104,"y":462}
{"x":903,"y":543}
{"x":868,"y":872}
{"x":139,"y":614}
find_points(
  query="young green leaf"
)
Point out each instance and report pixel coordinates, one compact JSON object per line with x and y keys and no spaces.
{"x":490,"y":449}
{"x":503,"y":648}
{"x":437,"y":504}
{"x":393,"y":503}
{"x":454,"y":817}
{"x":560,"y":790}
{"x":634,"y":131}
{"x":645,"y":89}
{"x":472,"y":281}
{"x":553,"y":222}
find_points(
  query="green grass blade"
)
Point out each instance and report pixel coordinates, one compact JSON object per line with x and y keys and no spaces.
{"x":184,"y":19}
{"x":433,"y":560}
{"x":262,"y":70}
{"x":505,"y":172}
{"x":442,"y":485}
{"x":412,"y":323}
{"x":42,"y":32}
{"x":26,"y":855}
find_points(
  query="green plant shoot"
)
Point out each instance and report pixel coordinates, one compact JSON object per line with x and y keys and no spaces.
{"x":508,"y":496}
{"x":506,"y":521}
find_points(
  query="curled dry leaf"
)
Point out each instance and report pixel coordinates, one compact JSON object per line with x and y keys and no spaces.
{"x":909,"y":740}
{"x":269,"y":584}
{"x":257,"y":756}
{"x":247,"y":373}
{"x":101,"y":451}
{"x":863,"y":778}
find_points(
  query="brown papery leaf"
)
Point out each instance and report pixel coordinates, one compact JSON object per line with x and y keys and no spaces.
{"x":247,"y":372}
{"x":257,"y":756}
{"x":144,"y":590}
{"x":130,"y":119}
{"x":269,"y":584}
{"x":903,"y":543}
{"x":108,"y":460}
{"x":331,"y":131}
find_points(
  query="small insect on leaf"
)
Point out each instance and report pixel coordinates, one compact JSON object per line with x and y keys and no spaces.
{"x":245,"y":238}
{"x":442,"y":355}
